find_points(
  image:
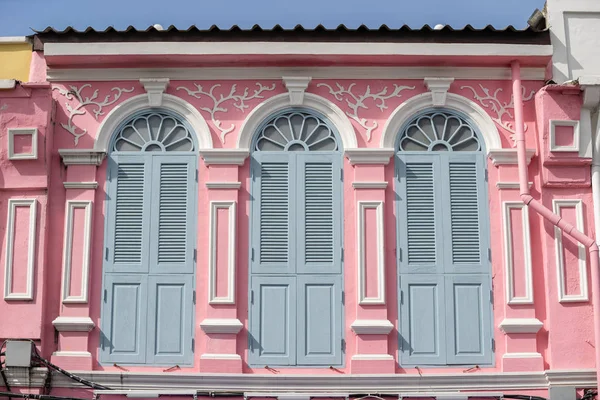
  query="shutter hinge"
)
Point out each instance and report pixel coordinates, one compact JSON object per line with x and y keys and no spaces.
{"x":400,"y":254}
{"x":196,"y":174}
{"x":343,"y":297}
{"x":252,"y":297}
{"x":490,"y":255}
{"x":194,"y":297}
{"x":343,"y":345}
{"x":195,"y":254}
{"x":252,"y":254}
{"x":105,"y":295}
{"x":342,"y":254}
{"x":106,"y":253}
{"x":486,"y":174}
{"x":491,"y":296}
{"x":493,"y":344}
{"x":193,"y":344}
{"x":342,"y":174}
{"x":402,"y":297}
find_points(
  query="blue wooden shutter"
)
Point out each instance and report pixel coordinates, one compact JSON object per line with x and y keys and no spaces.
{"x":422,"y":319}
{"x":170,"y":315}
{"x":124,"y":322}
{"x":420,"y":208}
{"x":128,"y":211}
{"x":273,"y":225}
{"x":273,"y":320}
{"x":466,"y":213}
{"x":319,"y":320}
{"x":468,"y":319}
{"x":173,"y":236}
{"x":319,"y":213}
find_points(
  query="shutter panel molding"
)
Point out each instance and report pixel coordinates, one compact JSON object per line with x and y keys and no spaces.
{"x":273,"y":320}
{"x":125,"y":319}
{"x":319,"y":320}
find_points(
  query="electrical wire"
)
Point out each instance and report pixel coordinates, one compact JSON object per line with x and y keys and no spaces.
{"x":68,"y":374}
{"x":4,"y":379}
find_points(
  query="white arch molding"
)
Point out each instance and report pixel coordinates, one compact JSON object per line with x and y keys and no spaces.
{"x":281,"y":102}
{"x":407,"y":110}
{"x":118,"y":114}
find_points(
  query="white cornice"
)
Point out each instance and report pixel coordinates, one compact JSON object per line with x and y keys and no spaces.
{"x":275,"y":73}
{"x":224,"y":156}
{"x":14,"y":39}
{"x":334,"y":384}
{"x":369,"y":156}
{"x":520,"y":325}
{"x":508,"y":156}
{"x":298,"y":48}
{"x":510,"y":185}
{"x":26,"y":377}
{"x":81,"y":157}
{"x":73,"y":324}
{"x":7,"y":84}
{"x":221,"y":325}
{"x":372,"y":326}
{"x":80,"y":185}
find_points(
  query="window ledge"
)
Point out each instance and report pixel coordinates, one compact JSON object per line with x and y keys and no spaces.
{"x":508,"y":156}
{"x":221,"y":325}
{"x":372,"y":327}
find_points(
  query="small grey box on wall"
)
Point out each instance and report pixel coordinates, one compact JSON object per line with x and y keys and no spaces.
{"x":18,"y":353}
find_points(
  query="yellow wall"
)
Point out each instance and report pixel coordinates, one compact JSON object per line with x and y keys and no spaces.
{"x":14,"y":60}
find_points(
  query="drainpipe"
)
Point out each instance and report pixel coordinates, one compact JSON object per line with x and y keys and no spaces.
{"x":556,"y":220}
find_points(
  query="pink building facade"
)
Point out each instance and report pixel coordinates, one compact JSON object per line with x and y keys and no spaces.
{"x":302,"y":214}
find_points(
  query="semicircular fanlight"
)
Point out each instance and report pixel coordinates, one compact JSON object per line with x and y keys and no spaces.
{"x":296,"y":131}
{"x":439,"y":131}
{"x":154,"y":131}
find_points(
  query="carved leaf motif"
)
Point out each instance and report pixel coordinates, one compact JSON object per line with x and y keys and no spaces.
{"x":238,"y":101}
{"x":356,"y":101}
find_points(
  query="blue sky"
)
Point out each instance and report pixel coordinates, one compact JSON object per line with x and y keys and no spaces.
{"x":18,"y":16}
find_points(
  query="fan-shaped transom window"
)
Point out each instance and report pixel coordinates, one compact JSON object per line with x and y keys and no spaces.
{"x":439,"y":131}
{"x":296,"y":131}
{"x":154,"y":131}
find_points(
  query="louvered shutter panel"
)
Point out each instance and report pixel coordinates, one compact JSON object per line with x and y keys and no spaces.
{"x":422,"y":319}
{"x":124,"y":322}
{"x":273,"y":224}
{"x":172,"y":239}
{"x":319,"y":320}
{"x":420,"y":229}
{"x":273,"y":320}
{"x":319,"y":213}
{"x":468,"y":319}
{"x":128,"y":211}
{"x":170,"y":314}
{"x":465,"y":213}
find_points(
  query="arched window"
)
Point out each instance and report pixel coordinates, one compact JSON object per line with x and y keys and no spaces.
{"x":443,"y":235}
{"x":149,"y":262}
{"x":296,"y":242}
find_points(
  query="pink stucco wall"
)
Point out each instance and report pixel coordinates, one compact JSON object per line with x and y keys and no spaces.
{"x":564,"y":342}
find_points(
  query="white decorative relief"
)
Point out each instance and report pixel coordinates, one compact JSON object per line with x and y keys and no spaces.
{"x":212,"y":252}
{"x":500,"y":108}
{"x":361,"y":247}
{"x":10,"y":249}
{"x":507,"y":206}
{"x":554,"y":123}
{"x":33,"y":133}
{"x":238,"y":101}
{"x":67,"y":268}
{"x":563,"y":297}
{"x":77,"y":93}
{"x":356,"y":101}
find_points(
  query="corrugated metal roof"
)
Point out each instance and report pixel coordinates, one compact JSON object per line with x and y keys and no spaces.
{"x":341,"y":33}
